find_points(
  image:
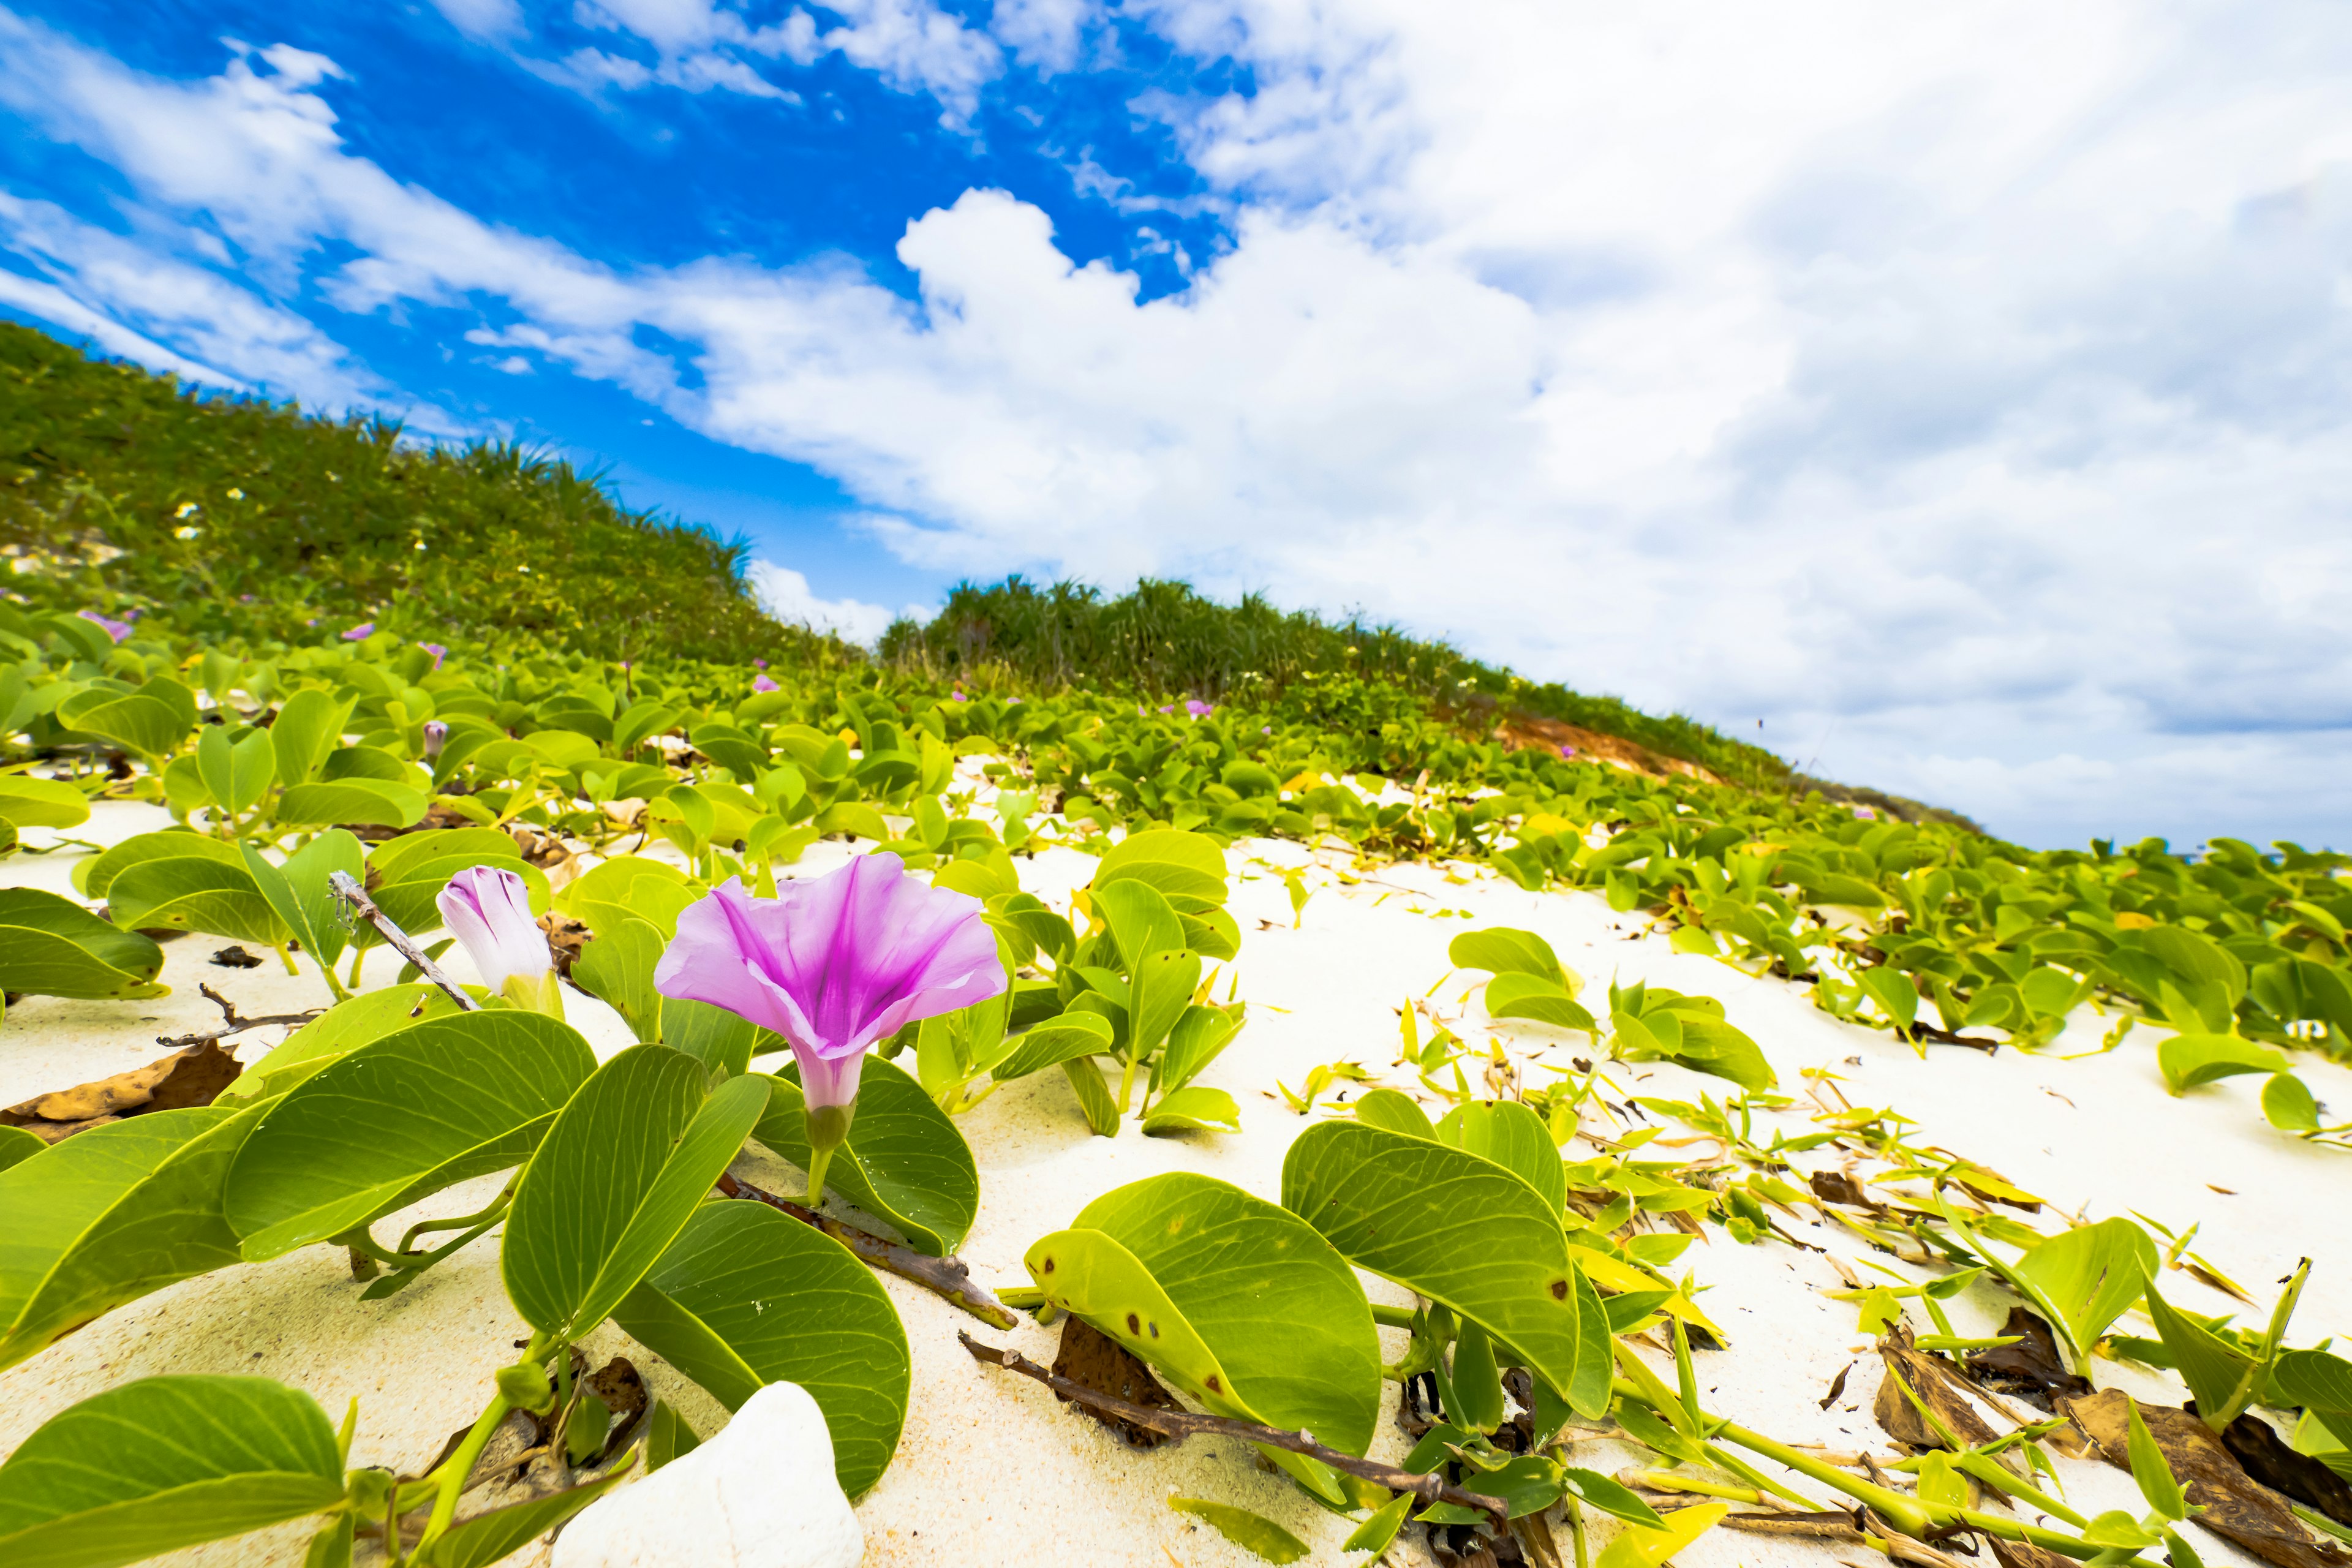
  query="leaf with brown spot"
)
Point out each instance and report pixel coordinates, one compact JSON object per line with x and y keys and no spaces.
{"x":2236,"y":1508}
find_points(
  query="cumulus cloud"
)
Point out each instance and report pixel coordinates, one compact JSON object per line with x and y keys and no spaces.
{"x":786,"y":594}
{"x":1962,"y":394}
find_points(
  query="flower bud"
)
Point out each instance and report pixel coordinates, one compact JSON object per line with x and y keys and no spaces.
{"x":488,"y":910}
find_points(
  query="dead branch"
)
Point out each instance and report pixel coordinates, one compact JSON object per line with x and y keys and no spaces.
{"x":1180,"y":1425}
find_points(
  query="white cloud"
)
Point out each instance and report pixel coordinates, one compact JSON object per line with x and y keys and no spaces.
{"x":483,"y":20}
{"x":1962,"y":393}
{"x":786,"y":594}
{"x":1045,"y":35}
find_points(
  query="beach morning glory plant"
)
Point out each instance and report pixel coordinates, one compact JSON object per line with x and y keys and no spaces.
{"x":489,"y":912}
{"x":833,"y":964}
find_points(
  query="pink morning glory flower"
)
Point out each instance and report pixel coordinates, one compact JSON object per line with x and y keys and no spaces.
{"x":958,"y":697}
{"x":118,"y":630}
{"x":436,"y":735}
{"x":1197,"y":709}
{"x":364,"y":630}
{"x":436,"y":650}
{"x":833,"y":964}
{"x":1568,"y":751}
{"x":758,"y":664}
{"x":488,"y":910}
{"x":764,"y":684}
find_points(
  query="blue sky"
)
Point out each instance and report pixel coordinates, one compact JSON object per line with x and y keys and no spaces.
{"x":1962,"y":396}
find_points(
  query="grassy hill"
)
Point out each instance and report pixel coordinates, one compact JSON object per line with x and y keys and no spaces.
{"x":122,"y":490}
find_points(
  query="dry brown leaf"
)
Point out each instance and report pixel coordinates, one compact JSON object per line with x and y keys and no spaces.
{"x":192,"y":1077}
{"x":1090,"y":1357}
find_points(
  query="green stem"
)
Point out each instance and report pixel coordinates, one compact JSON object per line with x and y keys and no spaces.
{"x":1661,"y":1481}
{"x":1126,"y":1085}
{"x":1393,"y":1317}
{"x":819,"y":1159}
{"x":451,"y":1479}
{"x":287,"y":959}
{"x":1575,"y":1530}
{"x":358,"y":956}
{"x":497,"y":1206}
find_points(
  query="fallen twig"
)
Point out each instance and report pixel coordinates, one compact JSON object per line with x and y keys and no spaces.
{"x":1180,"y":1425}
{"x":231,"y":1024}
{"x":347,"y":888}
{"x":948,"y":1278}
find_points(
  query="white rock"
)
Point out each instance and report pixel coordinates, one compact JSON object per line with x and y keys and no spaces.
{"x":759,"y":1494}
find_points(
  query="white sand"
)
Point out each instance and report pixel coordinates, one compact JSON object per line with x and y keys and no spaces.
{"x":991,"y":1470}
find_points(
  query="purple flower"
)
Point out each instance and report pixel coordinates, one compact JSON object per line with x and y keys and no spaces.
{"x":488,"y":910}
{"x":364,"y":630}
{"x":1169,"y":708}
{"x":1568,"y":751}
{"x":435,"y":735}
{"x":958,"y":697}
{"x":758,"y":664}
{"x":436,"y":650}
{"x":833,"y":964}
{"x":118,"y":630}
{"x":1012,"y":702}
{"x":1197,"y":709}
{"x":1864,"y":813}
{"x":764,"y":684}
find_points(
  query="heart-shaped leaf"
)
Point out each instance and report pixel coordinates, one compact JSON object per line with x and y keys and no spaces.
{"x":162,"y":1463}
{"x":309,"y":725}
{"x":1461,"y":1230}
{"x":1052,"y":1042}
{"x":237,"y":769}
{"x":28,"y":802}
{"x":2189,"y":1060}
{"x":1538,"y":999}
{"x":615,"y":1180}
{"x":1193,"y":1110}
{"x":1504,"y":950}
{"x":107,"y":1216}
{"x":338,"y":1031}
{"x":298,"y":894}
{"x":1511,"y":1136}
{"x":185,"y":893}
{"x":746,"y":1296}
{"x":1187,"y":869}
{"x":443,"y":1100}
{"x":1238,"y":1302}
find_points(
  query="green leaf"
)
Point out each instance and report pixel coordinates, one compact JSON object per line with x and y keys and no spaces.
{"x":298,"y":894}
{"x":1056,"y":1041}
{"x":16,"y":1146}
{"x":28,"y":802}
{"x":1711,"y":1045}
{"x":1637,"y":1546}
{"x":95,"y":877}
{"x":1895,"y":995}
{"x":309,"y":726}
{"x":362,"y":802}
{"x":1505,"y":950}
{"x":1464,"y":1231}
{"x":2157,"y":1481}
{"x":2214,"y":1368}
{"x":1511,"y":1136}
{"x":2189,"y":1060}
{"x":2288,"y":1104}
{"x":904,"y":1160}
{"x":151,"y":719}
{"x":238,"y":771}
{"x":499,"y":1533}
{"x":1251,"y":1533}
{"x":1235,"y":1299}
{"x":2090,"y":1275}
{"x":1192,"y":1110}
{"x":184,"y":893}
{"x":617,"y":968}
{"x":746,"y":1296}
{"x":1188,"y":869}
{"x":107,"y":1216}
{"x":2117,"y":1529}
{"x":398,"y":1120}
{"x":1142,"y":920}
{"x":1611,"y":1497}
{"x":668,"y":1435}
{"x":1836,"y":888}
{"x":163,"y":1463}
{"x":1537,"y":999}
{"x":628,"y":885}
{"x":1162,"y":988}
{"x":1397,"y":1112}
{"x":2321,"y":1385}
{"x":1377,"y":1533}
{"x":723,"y":1042}
{"x":1094,"y":1097}
{"x":615,"y":1180}
{"x":53,"y":947}
{"x":337,"y":1032}
{"x":1202,"y":1032}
